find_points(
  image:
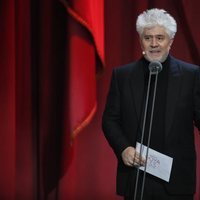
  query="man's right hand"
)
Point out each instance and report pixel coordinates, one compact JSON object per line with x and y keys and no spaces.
{"x":132,"y":158}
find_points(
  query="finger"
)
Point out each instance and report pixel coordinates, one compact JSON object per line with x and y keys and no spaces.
{"x":130,"y":163}
{"x":138,"y":162}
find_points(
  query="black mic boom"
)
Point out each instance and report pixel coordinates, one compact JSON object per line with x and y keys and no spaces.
{"x":155,"y":67}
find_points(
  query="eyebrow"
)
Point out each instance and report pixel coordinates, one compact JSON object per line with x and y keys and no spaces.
{"x":151,"y":36}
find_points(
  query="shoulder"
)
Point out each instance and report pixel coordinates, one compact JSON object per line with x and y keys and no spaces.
{"x":186,"y":66}
{"x":127,"y":68}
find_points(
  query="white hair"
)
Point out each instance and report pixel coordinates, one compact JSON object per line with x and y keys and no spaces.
{"x":154,"y":17}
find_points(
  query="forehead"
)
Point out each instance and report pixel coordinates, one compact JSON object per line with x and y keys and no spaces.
{"x":156,"y":30}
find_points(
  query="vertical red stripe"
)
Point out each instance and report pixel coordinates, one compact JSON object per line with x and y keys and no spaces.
{"x":7,"y":101}
{"x":24,"y":138}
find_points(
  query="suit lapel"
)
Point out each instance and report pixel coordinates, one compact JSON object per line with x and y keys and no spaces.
{"x":137,"y":88}
{"x":172,"y":93}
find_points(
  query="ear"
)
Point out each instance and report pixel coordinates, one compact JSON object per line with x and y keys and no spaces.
{"x":171,"y":42}
{"x":141,"y":45}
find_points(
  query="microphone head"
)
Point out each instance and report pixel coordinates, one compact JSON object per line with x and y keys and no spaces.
{"x":155,"y":67}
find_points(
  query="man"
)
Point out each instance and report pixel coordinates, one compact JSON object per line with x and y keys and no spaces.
{"x":176,"y":110}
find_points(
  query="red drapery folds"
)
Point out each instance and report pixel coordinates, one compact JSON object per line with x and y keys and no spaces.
{"x":16,"y":161}
{"x":84,"y":57}
{"x":84,"y":60}
{"x":86,"y":41}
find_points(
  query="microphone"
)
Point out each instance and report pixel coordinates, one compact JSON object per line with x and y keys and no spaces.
{"x":155,"y":67}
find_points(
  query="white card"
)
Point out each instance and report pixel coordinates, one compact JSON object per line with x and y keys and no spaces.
{"x":158,"y":164}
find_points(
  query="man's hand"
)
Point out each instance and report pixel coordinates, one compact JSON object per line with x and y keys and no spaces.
{"x":131,"y":158}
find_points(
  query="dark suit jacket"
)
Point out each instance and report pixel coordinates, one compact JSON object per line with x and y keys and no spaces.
{"x":121,"y":121}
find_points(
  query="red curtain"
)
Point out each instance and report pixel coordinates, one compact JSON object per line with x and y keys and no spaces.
{"x":42,"y":43}
{"x":16,"y":158}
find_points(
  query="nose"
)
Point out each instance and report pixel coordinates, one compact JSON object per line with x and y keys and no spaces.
{"x":154,"y":42}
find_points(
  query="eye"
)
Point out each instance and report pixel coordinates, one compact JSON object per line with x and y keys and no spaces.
{"x":160,"y":38}
{"x":147,"y":38}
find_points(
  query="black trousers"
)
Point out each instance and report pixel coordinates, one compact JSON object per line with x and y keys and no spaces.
{"x":154,"y":190}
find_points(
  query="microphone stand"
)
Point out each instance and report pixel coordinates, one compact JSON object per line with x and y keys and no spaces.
{"x":155,"y":68}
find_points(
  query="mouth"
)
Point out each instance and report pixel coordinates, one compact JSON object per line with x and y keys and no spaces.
{"x":155,"y":53}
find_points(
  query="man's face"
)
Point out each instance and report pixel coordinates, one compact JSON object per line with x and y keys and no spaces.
{"x":156,"y":43}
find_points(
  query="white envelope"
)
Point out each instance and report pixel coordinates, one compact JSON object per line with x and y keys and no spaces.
{"x":158,"y":164}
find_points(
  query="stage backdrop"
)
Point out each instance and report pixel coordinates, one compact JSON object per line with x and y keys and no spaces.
{"x":56,"y":59}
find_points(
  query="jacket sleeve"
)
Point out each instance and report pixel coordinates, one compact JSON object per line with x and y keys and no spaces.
{"x":111,"y":120}
{"x":197,"y":100}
